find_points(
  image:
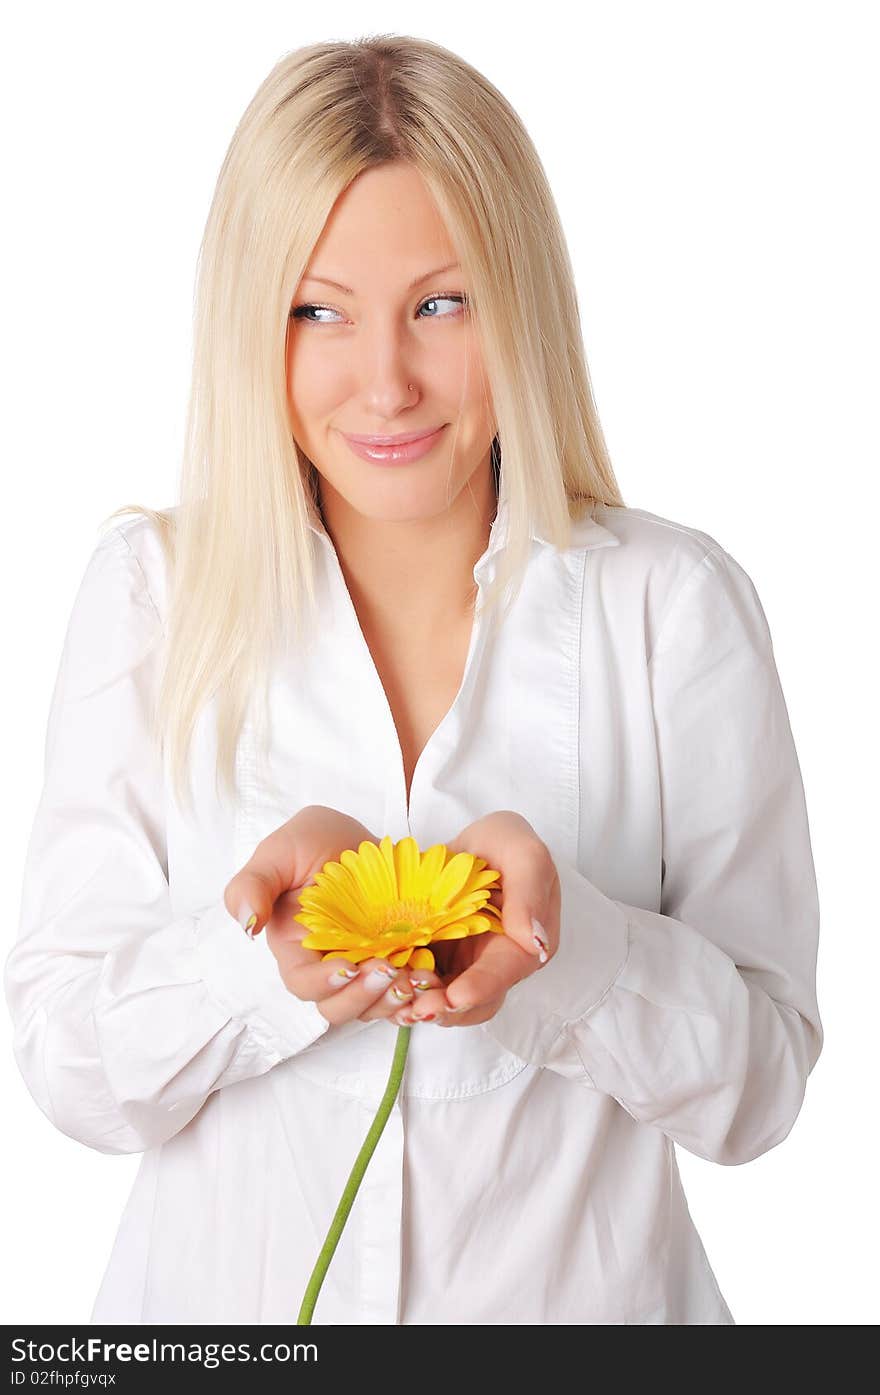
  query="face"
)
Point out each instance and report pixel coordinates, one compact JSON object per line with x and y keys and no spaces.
{"x":395,"y":353}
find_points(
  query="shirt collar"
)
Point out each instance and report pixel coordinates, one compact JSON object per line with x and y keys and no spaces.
{"x":585,"y":532}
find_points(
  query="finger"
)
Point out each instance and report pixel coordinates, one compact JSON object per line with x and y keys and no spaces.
{"x":379,"y":990}
{"x":306,"y":972}
{"x":276,"y":865}
{"x":529,"y":888}
{"x":502,"y":964}
{"x":424,"y":981}
{"x":424,"y":1007}
{"x":288,"y":857}
{"x":281,"y":918}
{"x":472,"y":1016}
{"x":300,"y":968}
{"x":400,"y":994}
{"x":530,"y":906}
{"x":424,"y":1002}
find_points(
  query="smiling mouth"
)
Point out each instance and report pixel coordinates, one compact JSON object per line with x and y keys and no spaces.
{"x":403,"y":440}
{"x":400,"y":450}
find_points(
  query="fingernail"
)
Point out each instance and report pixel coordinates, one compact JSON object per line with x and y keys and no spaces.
{"x":424,"y":1016}
{"x":462,"y":1007}
{"x":342,"y":975}
{"x":420,"y":984}
{"x":378,"y":978}
{"x":247,"y":920}
{"x":399,"y":992}
{"x":539,"y":935}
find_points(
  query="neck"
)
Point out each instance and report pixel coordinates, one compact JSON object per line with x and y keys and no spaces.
{"x":413,"y":575}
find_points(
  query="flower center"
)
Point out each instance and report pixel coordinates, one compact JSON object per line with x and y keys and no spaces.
{"x":402,"y":918}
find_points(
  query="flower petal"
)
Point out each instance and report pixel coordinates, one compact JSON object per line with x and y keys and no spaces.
{"x":336,"y":875}
{"x":481,"y":879}
{"x":432,"y":863}
{"x":321,"y":939}
{"x":356,"y":956}
{"x":386,"y":848}
{"x":462,"y":907}
{"x":456,"y":931}
{"x":421,"y":959}
{"x":371,"y":874}
{"x":476,"y":924}
{"x":350,"y":910}
{"x":452,"y":879}
{"x":319,"y":917}
{"x":406,"y":868}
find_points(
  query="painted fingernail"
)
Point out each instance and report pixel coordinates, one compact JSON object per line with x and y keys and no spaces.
{"x":423,"y":1016}
{"x":342,"y":975}
{"x":420,"y":984}
{"x":462,"y":1007}
{"x":247,"y":920}
{"x":400,"y":993}
{"x":404,"y":1019}
{"x":378,"y":978}
{"x":539,"y":935}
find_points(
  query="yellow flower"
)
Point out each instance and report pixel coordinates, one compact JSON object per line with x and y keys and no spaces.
{"x":390,"y":901}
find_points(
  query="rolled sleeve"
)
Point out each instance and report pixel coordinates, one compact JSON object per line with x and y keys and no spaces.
{"x":593,"y":949}
{"x":243,"y":976}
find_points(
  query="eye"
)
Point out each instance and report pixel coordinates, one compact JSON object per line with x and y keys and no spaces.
{"x":437,"y":299}
{"x":303,"y":312}
{"x":299,"y":313}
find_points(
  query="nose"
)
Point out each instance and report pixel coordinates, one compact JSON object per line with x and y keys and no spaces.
{"x":389,"y":373}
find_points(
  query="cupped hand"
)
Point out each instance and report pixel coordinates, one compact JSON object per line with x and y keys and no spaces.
{"x":267,"y":888}
{"x":478,"y":971}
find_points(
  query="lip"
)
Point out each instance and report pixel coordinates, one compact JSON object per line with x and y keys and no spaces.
{"x":392,"y":449}
{"x":402,"y":440}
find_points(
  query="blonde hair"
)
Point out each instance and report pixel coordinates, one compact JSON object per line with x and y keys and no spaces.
{"x":239,"y":548}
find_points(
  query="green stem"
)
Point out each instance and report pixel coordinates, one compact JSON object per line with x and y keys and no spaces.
{"x":356,"y":1176}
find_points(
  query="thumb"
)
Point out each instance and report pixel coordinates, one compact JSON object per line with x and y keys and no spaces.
{"x":523,"y":892}
{"x":249,"y":900}
{"x":519,"y":918}
{"x":280,"y":862}
{"x":286,"y":860}
{"x":283,"y":860}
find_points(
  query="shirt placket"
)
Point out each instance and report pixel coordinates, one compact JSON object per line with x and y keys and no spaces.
{"x":382,"y":1187}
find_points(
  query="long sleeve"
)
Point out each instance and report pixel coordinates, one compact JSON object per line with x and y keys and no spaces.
{"x":126,"y":1017}
{"x":700,"y":1019}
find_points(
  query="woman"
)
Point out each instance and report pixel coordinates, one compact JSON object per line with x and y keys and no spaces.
{"x":470,"y":640}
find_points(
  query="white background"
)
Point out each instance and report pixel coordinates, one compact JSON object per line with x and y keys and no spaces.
{"x":717,"y":179}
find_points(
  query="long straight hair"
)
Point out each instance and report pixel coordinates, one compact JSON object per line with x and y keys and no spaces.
{"x":238,"y":545}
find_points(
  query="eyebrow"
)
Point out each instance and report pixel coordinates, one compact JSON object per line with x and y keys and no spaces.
{"x":346,"y":290}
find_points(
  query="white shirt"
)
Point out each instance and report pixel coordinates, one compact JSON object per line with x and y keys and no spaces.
{"x":630,"y":708}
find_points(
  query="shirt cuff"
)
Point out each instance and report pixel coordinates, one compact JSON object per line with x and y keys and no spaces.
{"x":243,"y":976}
{"x":593,"y":948}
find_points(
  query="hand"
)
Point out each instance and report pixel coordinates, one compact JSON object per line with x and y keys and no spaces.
{"x":478,"y":971}
{"x":269,"y":885}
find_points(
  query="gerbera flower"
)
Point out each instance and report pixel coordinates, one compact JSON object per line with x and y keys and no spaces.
{"x":391,"y":901}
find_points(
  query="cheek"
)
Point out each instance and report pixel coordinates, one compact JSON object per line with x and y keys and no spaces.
{"x":314,"y":383}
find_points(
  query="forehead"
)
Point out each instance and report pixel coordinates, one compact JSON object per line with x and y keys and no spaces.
{"x":385,"y":228}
